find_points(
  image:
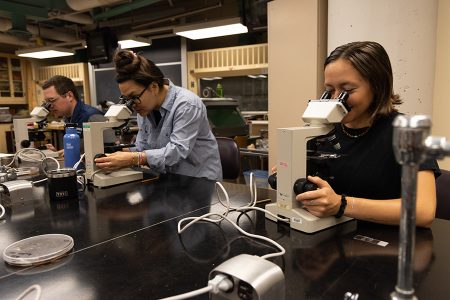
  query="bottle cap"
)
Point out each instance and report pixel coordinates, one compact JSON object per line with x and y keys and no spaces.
{"x":70,"y":125}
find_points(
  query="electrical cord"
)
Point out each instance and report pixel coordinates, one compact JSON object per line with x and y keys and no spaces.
{"x":35,"y":287}
{"x":229,"y":208}
{"x":22,"y":153}
{"x":256,"y":236}
{"x":2,"y":211}
{"x":75,"y":166}
{"x":220,"y":283}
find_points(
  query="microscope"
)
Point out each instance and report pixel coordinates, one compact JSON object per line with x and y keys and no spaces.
{"x":25,"y":134}
{"x":93,"y":132}
{"x":319,"y":117}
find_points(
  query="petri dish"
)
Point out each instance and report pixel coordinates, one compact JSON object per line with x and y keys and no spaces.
{"x":38,"y":249}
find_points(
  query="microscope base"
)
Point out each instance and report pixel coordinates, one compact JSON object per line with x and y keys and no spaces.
{"x":116,"y":177}
{"x":302,"y":220}
{"x":50,"y":153}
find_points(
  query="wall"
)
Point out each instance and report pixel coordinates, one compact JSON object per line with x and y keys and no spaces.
{"x":297,"y":48}
{"x":441,"y":103}
{"x":165,"y":53}
{"x":406,"y":29}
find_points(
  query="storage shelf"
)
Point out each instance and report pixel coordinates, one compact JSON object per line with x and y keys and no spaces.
{"x":11,"y":73}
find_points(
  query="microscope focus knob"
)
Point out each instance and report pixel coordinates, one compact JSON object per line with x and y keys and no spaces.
{"x":25,"y":143}
{"x":303,"y":185}
{"x":98,"y":155}
{"x":272,"y":180}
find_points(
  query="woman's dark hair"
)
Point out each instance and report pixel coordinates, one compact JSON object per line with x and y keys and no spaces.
{"x":372,"y":62}
{"x":131,"y":66}
{"x":62,"y":85}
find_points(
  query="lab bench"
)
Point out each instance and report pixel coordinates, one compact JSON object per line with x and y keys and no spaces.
{"x":126,"y":246}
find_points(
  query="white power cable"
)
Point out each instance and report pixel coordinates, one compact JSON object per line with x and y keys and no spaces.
{"x":256,"y":236}
{"x":223,"y":283}
{"x":39,"y":181}
{"x":229,"y":208}
{"x":22,"y":154}
{"x":75,"y":166}
{"x":3,"y":211}
{"x":220,"y":283}
{"x":190,"y":294}
{"x":36,"y":287}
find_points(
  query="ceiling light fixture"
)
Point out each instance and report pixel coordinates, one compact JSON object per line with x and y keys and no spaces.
{"x":127,"y":42}
{"x":45,"y":52}
{"x":211,"y":78}
{"x":211,"y":29}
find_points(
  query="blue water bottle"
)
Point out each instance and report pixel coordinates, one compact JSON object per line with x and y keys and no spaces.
{"x":71,"y":146}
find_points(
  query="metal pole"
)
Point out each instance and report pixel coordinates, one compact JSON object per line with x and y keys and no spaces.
{"x":404,"y":288}
{"x":408,"y":142}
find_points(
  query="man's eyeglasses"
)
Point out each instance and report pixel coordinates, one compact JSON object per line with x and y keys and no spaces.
{"x":50,"y":101}
{"x":132,"y":99}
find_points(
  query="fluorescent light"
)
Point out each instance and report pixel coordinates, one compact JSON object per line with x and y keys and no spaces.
{"x":45,"y":52}
{"x":134,"y":42}
{"x":211,"y":29}
{"x":210,"y":78}
{"x":257,"y":76}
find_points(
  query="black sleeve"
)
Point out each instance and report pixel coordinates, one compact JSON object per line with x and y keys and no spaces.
{"x":430,"y":164}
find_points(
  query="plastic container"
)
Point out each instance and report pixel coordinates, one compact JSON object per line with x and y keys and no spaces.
{"x":259,"y":176}
{"x":219,"y":90}
{"x":71,"y":146}
{"x":5,"y":115}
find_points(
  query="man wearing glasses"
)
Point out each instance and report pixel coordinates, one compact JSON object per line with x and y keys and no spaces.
{"x":65,"y":102}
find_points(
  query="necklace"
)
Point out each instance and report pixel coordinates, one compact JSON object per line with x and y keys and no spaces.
{"x":354,"y":136}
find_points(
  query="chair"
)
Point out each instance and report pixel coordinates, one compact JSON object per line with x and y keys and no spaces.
{"x":230,"y":158}
{"x":443,"y":195}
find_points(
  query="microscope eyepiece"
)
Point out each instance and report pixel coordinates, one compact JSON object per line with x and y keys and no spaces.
{"x":326,"y":95}
{"x":128,"y":102}
{"x":46,"y":105}
{"x":343,"y":97}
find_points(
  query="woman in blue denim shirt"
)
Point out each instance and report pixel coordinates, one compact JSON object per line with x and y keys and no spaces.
{"x":174,"y":133}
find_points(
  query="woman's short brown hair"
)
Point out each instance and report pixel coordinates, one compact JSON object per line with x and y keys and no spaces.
{"x":371,"y":60}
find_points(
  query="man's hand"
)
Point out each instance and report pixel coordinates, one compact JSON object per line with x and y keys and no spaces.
{"x":52,"y":148}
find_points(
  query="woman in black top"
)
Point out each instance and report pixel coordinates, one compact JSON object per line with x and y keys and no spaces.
{"x":366,"y":170}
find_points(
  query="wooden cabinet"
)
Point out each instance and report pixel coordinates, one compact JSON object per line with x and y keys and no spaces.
{"x":225,"y":62}
{"x":78,"y":72}
{"x":11,"y":80}
{"x":3,"y":143}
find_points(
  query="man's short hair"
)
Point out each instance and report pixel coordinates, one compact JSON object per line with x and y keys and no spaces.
{"x":62,"y":85}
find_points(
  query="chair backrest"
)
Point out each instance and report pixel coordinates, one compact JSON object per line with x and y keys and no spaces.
{"x":443,"y":195}
{"x":230,"y":158}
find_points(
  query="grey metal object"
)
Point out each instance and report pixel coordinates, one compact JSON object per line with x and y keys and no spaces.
{"x":412,"y":146}
{"x":253,"y":278}
{"x":17,"y":190}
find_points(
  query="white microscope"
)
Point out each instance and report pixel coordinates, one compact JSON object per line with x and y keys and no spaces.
{"x":319,"y":117}
{"x":93,"y":132}
{"x":38,"y":115}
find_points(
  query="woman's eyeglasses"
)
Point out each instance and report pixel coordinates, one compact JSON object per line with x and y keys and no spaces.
{"x":132,"y":99}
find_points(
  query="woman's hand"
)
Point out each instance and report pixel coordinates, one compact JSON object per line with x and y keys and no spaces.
{"x":323,"y":202}
{"x":115,"y":161}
